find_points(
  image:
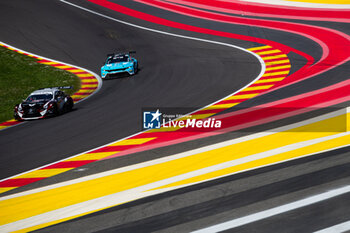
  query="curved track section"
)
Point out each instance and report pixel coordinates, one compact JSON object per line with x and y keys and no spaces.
{"x":251,"y":176}
{"x":174,"y":72}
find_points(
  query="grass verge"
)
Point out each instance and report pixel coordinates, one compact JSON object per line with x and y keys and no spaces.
{"x":20,"y":75}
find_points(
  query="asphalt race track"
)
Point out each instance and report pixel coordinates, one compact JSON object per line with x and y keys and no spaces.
{"x":173,"y":73}
{"x":186,"y":73}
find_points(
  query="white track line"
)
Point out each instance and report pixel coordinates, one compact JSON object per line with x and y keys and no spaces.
{"x":342,"y":227}
{"x":275,"y":211}
{"x":142,"y":191}
{"x":186,"y":154}
{"x":160,"y":32}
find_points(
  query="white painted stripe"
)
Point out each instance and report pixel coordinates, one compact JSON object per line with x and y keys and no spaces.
{"x":275,"y":211}
{"x":179,"y":155}
{"x":143,"y":191}
{"x":299,"y":4}
{"x":261,"y":61}
{"x":342,"y":227}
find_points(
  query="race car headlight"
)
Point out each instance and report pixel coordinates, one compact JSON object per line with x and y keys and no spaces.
{"x":47,"y":106}
{"x":20,"y":108}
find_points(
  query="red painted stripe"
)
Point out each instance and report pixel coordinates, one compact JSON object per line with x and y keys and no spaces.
{"x":18,"y":182}
{"x":88,"y":88}
{"x":231,"y":101}
{"x":254,"y":116}
{"x":278,"y":59}
{"x":279,"y":70}
{"x":89,"y":83}
{"x":276,"y":65}
{"x":9,"y":123}
{"x":274,"y":76}
{"x":252,"y":92}
{"x":165,"y":22}
{"x":269,"y":55}
{"x":328,"y":39}
{"x":85,"y":78}
{"x":43,"y":60}
{"x":264,"y":50}
{"x":113,"y":148}
{"x":59,"y":64}
{"x":266,"y":10}
{"x":68,"y":164}
{"x":83,"y":93}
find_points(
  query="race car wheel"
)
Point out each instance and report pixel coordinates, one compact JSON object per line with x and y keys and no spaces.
{"x":136,"y":68}
{"x":17,"y":118}
{"x":55,"y":111}
{"x":69,"y":105}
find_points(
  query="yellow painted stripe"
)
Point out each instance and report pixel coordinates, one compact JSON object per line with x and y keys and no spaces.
{"x":12,"y":120}
{"x":277,"y":67}
{"x":87,"y":82}
{"x":263,"y":87}
{"x":277,"y":62}
{"x":44,"y":173}
{"x":22,"y":207}
{"x":85,"y":91}
{"x":260,"y":48}
{"x":237,"y":97}
{"x":79,"y":96}
{"x":89,"y":85}
{"x":201,"y":116}
{"x":164,"y":129}
{"x":333,"y":143}
{"x":30,"y":229}
{"x":136,"y":141}
{"x":220,"y":106}
{"x":2,"y":190}
{"x":3,"y":127}
{"x":269,"y":52}
{"x":49,"y":63}
{"x":84,"y":75}
{"x":273,"y":57}
{"x":76,"y":71}
{"x":63,"y":67}
{"x":275,"y":73}
{"x":89,"y":79}
{"x":92,"y":156}
{"x":269,"y":80}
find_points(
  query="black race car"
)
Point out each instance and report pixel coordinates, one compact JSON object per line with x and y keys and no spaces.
{"x":44,"y":102}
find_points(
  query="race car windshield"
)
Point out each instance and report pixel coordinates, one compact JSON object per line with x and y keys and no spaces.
{"x":41,"y":97}
{"x":117,"y":59}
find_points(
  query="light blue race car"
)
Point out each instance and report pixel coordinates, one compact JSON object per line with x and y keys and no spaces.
{"x":119,"y":63}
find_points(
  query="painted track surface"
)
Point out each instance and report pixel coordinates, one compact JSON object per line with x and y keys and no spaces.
{"x":156,"y":222}
{"x":115,"y":112}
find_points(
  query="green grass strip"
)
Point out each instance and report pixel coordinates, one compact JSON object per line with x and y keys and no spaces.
{"x":20,"y":75}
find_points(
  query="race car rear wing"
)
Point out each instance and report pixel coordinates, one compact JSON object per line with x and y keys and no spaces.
{"x":65,"y":87}
{"x":62,"y":87}
{"x":112,"y":54}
